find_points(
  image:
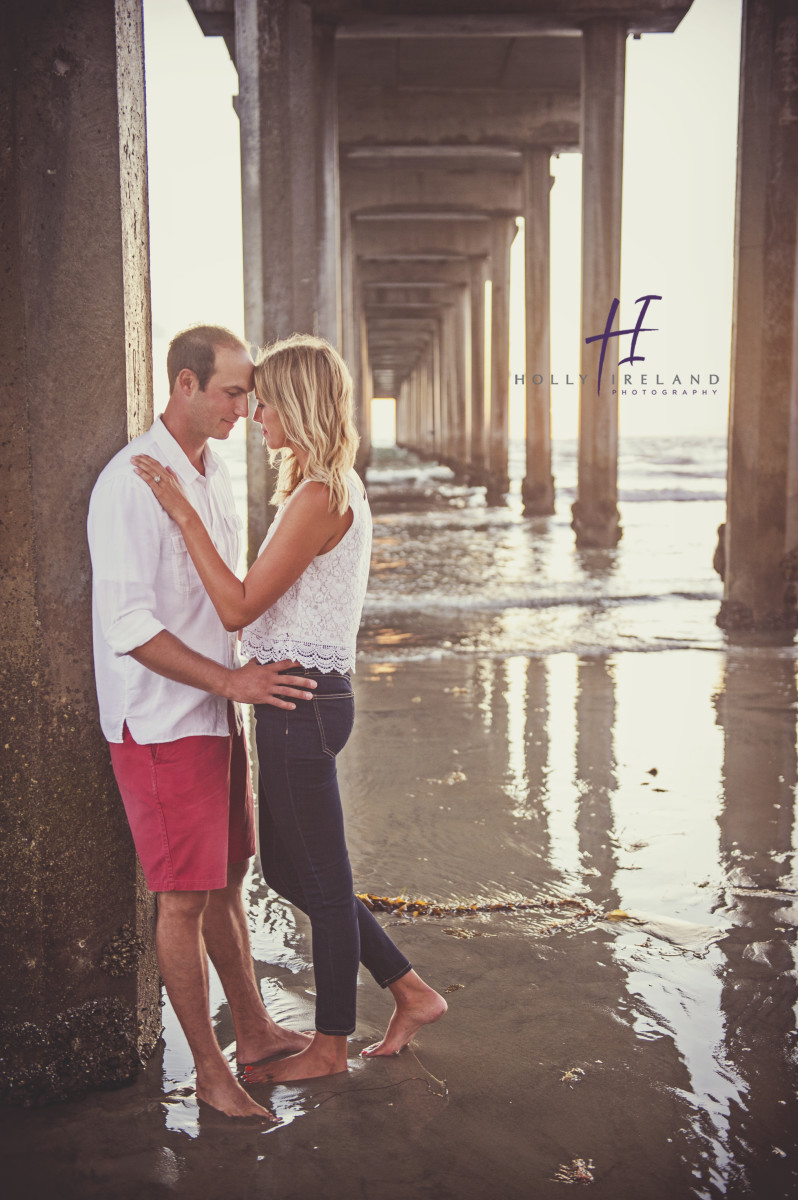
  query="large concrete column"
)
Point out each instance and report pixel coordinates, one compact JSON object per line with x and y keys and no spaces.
{"x":452,"y":449}
{"x":364,"y":379}
{"x":413,"y":436}
{"x":408,"y":437}
{"x":445,"y":453}
{"x":350,"y":329}
{"x":437,"y":394}
{"x":277,"y":108}
{"x":537,"y":489}
{"x":477,"y":455}
{"x":421,"y":401}
{"x":80,"y":982}
{"x":261,"y":478}
{"x":421,"y":376}
{"x":463,"y":378}
{"x":497,"y":479}
{"x":429,"y":401}
{"x":762,"y":512}
{"x":353,"y":335}
{"x":328,"y":214}
{"x":595,"y":514}
{"x":402,"y":413}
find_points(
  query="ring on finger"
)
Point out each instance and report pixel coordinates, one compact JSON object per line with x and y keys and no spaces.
{"x":156,"y":479}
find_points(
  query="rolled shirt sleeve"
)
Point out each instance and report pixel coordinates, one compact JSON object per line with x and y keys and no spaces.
{"x":124,"y":533}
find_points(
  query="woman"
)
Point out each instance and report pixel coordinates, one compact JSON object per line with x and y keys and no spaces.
{"x":302,"y":600}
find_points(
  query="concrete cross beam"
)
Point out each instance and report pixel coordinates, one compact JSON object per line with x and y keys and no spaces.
{"x":441,"y":156}
{"x":373,"y":191}
{"x":376,"y":115}
{"x":445,"y":18}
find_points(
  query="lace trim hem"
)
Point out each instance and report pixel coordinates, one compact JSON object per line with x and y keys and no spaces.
{"x":320,"y":658}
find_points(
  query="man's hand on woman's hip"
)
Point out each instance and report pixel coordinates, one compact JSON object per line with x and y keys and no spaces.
{"x":262,"y":683}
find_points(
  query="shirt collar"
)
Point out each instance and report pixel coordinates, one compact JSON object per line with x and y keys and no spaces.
{"x":176,"y":456}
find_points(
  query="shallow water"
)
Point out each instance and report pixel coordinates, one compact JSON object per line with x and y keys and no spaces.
{"x":534,"y":724}
{"x":450,"y":572}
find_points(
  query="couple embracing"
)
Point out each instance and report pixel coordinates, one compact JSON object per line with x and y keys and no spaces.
{"x":167,"y":611}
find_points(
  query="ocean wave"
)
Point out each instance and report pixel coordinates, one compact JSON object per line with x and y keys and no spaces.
{"x":424,"y":654}
{"x":702,"y":471}
{"x":650,"y":495}
{"x":636,"y":495}
{"x":416,"y":475}
{"x":416,"y":480}
{"x":429,"y":601}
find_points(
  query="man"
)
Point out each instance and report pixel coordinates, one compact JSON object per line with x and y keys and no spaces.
{"x":166,"y":678}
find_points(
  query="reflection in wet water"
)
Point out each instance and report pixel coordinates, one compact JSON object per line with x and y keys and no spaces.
{"x":756,"y":710}
{"x":594,"y":764}
{"x":605,"y":777}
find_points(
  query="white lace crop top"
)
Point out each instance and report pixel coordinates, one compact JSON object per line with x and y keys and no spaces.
{"x":316,"y":621}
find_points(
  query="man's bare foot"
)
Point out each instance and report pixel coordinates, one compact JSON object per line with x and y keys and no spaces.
{"x":275,"y":1039}
{"x":222,"y":1091}
{"x":417,"y":1005}
{"x":324,"y":1056}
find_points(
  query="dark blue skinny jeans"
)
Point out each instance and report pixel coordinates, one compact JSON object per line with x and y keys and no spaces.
{"x":303,"y":848}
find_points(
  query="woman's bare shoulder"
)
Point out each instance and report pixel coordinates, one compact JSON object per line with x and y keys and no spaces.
{"x":310,"y":501}
{"x":311,"y":493}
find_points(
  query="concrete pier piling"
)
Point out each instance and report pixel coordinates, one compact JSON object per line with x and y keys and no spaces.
{"x":761,"y":529}
{"x":497,"y":476}
{"x":596,"y":520}
{"x":80,"y":996}
{"x":537,"y":489}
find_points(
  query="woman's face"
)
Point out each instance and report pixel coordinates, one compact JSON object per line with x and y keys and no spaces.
{"x":269,"y":420}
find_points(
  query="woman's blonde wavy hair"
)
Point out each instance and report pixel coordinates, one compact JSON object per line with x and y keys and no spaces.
{"x":309,"y":384}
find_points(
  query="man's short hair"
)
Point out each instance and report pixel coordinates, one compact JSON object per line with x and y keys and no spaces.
{"x":195,"y":349}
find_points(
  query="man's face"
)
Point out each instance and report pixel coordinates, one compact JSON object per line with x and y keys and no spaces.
{"x":226,"y":398}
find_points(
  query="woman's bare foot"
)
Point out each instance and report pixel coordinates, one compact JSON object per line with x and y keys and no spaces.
{"x":275,"y":1039}
{"x":324,"y":1056}
{"x":219,"y":1089}
{"x":417,"y":1005}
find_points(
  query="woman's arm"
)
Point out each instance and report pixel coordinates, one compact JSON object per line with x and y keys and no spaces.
{"x":305,"y":528}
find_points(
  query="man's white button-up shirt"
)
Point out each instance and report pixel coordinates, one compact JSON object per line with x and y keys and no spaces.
{"x":144,"y":581}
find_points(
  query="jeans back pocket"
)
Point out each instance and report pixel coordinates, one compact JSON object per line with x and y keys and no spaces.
{"x":335,"y":716}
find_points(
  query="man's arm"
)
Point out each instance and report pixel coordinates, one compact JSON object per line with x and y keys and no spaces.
{"x":124,"y":540}
{"x":253,"y":683}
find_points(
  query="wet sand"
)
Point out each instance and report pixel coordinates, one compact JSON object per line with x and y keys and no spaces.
{"x":658,"y":1050}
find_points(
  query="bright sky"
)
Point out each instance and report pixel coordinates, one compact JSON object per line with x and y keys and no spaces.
{"x":678,"y":215}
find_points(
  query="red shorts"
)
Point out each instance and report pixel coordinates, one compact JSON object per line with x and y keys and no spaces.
{"x":190,"y":809}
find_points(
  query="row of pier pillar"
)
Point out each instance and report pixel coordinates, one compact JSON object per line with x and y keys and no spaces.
{"x":385,"y":247}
